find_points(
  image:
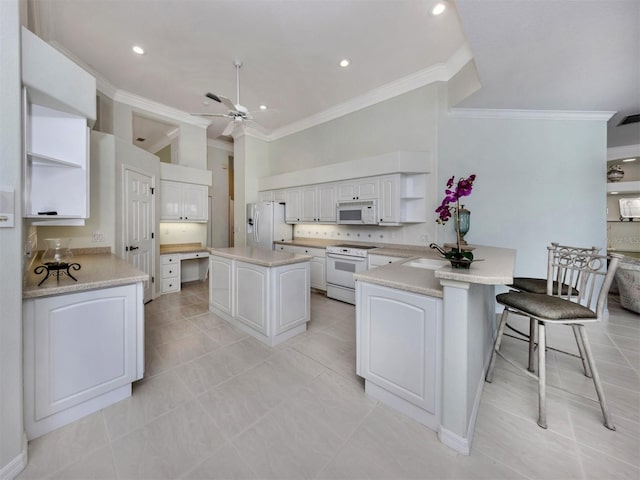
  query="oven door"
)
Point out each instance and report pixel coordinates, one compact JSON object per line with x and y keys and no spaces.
{"x":340,"y":269}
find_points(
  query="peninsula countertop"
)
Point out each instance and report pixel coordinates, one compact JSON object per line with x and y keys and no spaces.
{"x":495,"y":267}
{"x":260,"y":256}
{"x":100,"y":270}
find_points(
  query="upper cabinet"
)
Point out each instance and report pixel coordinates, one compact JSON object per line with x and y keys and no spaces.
{"x":358,"y":189}
{"x":183,"y":202}
{"x":59,"y":101}
{"x":318,"y":203}
{"x":402,"y":199}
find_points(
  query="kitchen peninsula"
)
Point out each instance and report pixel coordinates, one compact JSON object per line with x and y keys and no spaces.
{"x":424,"y":336}
{"x":83,"y":340}
{"x":266,"y":293}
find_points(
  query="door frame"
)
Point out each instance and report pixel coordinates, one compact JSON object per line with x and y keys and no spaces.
{"x":123,"y":220}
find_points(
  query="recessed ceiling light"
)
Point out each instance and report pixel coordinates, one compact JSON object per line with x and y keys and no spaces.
{"x":613,"y":193}
{"x":345,"y":62}
{"x":138,"y":50}
{"x":629,"y":160}
{"x":263,"y":107}
{"x":439,"y":8}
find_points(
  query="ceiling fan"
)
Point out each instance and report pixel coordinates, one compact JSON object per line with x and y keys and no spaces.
{"x":238,"y":113}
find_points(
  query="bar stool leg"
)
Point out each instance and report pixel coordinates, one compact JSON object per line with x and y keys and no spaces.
{"x":608,"y":422}
{"x":532,"y":342}
{"x":542,"y":376}
{"x":496,"y":345}
{"x":585,"y":364}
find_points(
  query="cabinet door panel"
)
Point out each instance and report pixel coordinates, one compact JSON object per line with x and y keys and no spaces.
{"x":399,"y":343}
{"x":318,"y":273}
{"x":292,"y":306}
{"x":250,"y":302}
{"x":170,"y":200}
{"x":220,"y":284}
{"x":308,"y":204}
{"x":194,"y":198}
{"x":292,"y":205}
{"x":326,"y":203}
{"x":85,"y":345}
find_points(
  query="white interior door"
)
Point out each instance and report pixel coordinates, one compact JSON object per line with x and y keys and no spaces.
{"x":139,"y":215}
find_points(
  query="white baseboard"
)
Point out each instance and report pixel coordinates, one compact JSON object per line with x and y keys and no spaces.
{"x":455,"y":441}
{"x":12,"y":469}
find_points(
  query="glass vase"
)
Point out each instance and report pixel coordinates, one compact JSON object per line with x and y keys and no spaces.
{"x":464,"y":221}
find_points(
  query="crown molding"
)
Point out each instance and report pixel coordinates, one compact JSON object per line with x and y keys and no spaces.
{"x":440,"y":72}
{"x":102,"y":84}
{"x":147,"y":105}
{"x":523,"y":114}
{"x":220,"y":144}
{"x":619,"y":153}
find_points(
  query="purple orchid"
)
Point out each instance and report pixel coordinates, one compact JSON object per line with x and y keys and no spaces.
{"x":462,"y":188}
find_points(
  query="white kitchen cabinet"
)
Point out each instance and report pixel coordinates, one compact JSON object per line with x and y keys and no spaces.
{"x":221,"y":285}
{"x":318,"y":263}
{"x":399,"y":338}
{"x":402,"y":199}
{"x":183,"y":202}
{"x":293,"y":205}
{"x":380,"y":260}
{"x":270,"y":303}
{"x":277,"y":196}
{"x":358,"y":189}
{"x":170,"y":273}
{"x":81,"y":353}
{"x":318,"y":203}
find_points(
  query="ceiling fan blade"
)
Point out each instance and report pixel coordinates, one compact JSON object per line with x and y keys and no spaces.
{"x":221,"y":99}
{"x":229,"y":128}
{"x":203,"y":114}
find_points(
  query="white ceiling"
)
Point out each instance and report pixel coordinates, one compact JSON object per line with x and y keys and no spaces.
{"x":531,"y":54}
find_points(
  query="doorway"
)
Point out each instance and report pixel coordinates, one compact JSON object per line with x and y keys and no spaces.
{"x":231,"y":202}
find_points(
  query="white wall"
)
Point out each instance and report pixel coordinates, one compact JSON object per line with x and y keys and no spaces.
{"x":12,"y":454}
{"x":407,"y":122}
{"x":538,"y":181}
{"x":218,"y":163}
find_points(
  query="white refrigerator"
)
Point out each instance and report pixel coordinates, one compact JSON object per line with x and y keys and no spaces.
{"x":265,"y":224}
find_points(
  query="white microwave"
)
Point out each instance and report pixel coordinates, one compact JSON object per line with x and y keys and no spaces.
{"x":358,"y":212}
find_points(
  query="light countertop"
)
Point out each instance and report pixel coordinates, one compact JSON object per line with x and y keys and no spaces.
{"x":495,"y":268}
{"x":182,"y":248}
{"x":96,"y":271}
{"x":259,"y":256}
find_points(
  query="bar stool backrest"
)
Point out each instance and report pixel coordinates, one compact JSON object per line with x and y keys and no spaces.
{"x":589,"y":275}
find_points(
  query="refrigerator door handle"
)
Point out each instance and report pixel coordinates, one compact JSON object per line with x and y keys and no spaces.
{"x":256,"y":226}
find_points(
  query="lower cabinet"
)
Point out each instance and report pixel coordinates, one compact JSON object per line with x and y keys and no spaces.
{"x":270,"y":303}
{"x":81,"y":353}
{"x":398,"y":341}
{"x":318,"y":263}
{"x":176,"y":268}
{"x":220,"y":284}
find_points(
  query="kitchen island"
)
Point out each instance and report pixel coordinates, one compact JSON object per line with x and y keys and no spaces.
{"x":424,"y":336}
{"x":83,"y":340}
{"x":265,"y":293}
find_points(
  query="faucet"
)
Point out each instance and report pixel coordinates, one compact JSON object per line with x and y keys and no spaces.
{"x":438,"y":247}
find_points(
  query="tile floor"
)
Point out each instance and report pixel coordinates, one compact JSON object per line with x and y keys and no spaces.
{"x":216,"y":403}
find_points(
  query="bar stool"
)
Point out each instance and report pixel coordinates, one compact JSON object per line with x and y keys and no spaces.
{"x":583,"y":271}
{"x":539,"y":285}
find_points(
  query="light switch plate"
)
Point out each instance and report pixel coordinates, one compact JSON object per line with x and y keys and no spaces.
{"x":7,"y":212}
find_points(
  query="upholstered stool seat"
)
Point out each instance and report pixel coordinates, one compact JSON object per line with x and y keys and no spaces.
{"x":545,"y":306}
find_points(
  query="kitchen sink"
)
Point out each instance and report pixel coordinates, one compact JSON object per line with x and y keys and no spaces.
{"x":428,"y":263}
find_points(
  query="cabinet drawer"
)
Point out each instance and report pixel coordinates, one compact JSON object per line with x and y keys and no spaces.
{"x":170,"y":285}
{"x":169,"y":259}
{"x":188,"y":256}
{"x":170,"y":271}
{"x":379,"y":260}
{"x":314,"y":252}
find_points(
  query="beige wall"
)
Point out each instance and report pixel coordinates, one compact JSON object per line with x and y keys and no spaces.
{"x":218,"y":163}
